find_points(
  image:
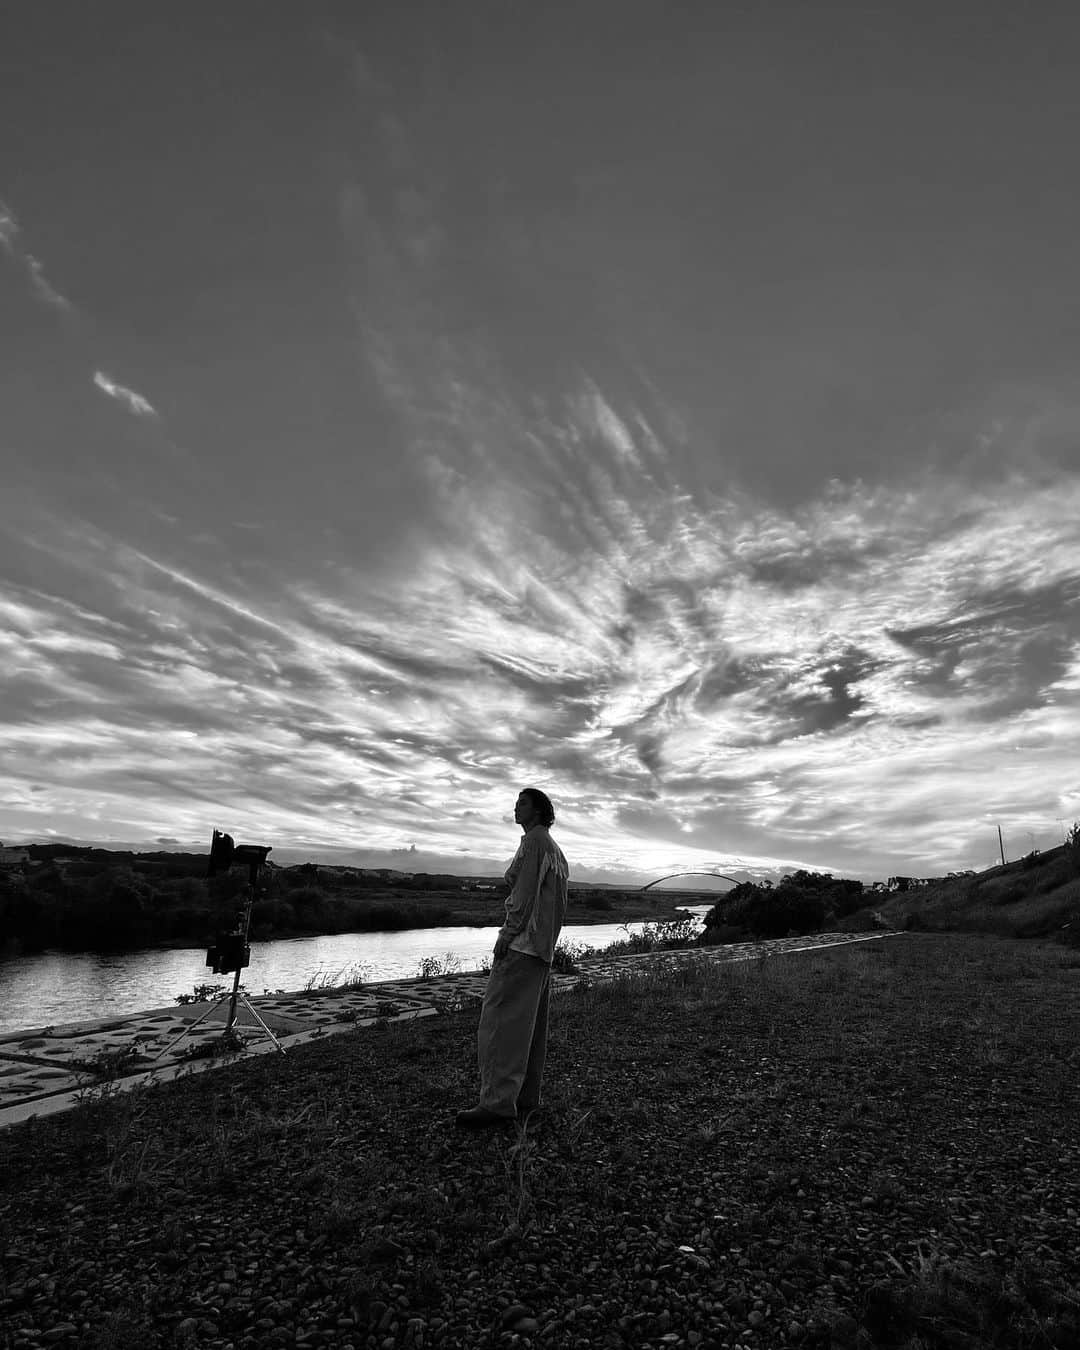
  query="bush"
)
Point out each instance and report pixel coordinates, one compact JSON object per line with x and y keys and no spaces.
{"x":384,"y":917}
{"x":723,"y":934}
{"x":306,"y":898}
{"x":728,"y":910}
{"x":776,"y":913}
{"x":567,"y":955}
{"x":801,"y":903}
{"x":113,"y":913}
{"x":1072,"y":845}
{"x":270,"y":916}
{"x":658,"y":935}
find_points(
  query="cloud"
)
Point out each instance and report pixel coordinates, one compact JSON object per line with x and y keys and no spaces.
{"x":677,"y":703}
{"x":9,"y":228}
{"x":31,"y":268}
{"x":861,"y":673}
{"x":135,"y":403}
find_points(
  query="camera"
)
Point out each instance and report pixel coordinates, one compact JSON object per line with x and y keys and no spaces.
{"x":225,"y":854}
{"x":230,"y":952}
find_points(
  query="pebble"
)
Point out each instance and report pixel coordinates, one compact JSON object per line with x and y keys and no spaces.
{"x":510,"y":1316}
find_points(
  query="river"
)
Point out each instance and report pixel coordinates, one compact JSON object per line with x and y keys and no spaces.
{"x":54,"y":988}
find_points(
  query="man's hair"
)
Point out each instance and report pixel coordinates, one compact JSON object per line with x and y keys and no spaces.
{"x":542,"y":804}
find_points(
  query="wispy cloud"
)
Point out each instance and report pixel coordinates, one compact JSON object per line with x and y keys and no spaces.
{"x":31,"y":268}
{"x":682,"y":704}
{"x":135,"y":403}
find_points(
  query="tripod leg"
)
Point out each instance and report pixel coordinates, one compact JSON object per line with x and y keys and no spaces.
{"x":247,"y":1004}
{"x":232,"y":1002}
{"x":188,"y":1030}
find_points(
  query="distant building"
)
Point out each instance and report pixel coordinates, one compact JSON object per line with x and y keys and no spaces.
{"x":11,"y":858}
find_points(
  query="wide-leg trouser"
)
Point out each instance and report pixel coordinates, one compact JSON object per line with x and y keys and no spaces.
{"x":511,"y":1040}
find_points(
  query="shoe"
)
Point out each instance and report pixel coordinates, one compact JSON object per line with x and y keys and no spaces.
{"x":480,"y":1118}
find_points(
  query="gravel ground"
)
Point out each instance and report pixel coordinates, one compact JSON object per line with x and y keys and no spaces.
{"x":867,"y":1146}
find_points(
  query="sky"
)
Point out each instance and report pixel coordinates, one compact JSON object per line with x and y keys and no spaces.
{"x":672,"y":406}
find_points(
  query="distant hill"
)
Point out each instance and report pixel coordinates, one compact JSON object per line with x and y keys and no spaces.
{"x":1036,"y":896}
{"x":89,"y":859}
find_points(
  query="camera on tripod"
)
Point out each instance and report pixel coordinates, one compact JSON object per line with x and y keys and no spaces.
{"x":231,"y":951}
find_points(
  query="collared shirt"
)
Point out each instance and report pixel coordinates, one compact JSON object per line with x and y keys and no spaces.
{"x":536,"y":905}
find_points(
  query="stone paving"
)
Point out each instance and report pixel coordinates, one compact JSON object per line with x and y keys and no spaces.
{"x":53,"y":1068}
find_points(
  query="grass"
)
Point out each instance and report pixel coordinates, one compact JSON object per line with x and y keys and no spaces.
{"x":346,"y":980}
{"x":1031,"y":897}
{"x":915,"y":1095}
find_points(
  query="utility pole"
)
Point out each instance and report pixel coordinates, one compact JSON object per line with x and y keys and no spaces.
{"x":1001,"y":846}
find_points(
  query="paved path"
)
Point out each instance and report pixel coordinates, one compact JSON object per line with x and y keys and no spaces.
{"x":52,"y":1069}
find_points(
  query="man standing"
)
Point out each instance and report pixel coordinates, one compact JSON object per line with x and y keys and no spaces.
{"x":512,"y":1038}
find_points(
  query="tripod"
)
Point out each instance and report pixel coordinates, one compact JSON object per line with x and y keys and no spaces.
{"x":232,"y":951}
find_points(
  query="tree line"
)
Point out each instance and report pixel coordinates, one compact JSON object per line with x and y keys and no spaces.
{"x":802,"y":902}
{"x":97,"y":900}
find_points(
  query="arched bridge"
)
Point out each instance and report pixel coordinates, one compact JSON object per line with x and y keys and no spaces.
{"x":672,"y":877}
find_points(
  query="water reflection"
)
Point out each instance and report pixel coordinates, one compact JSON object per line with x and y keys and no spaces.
{"x":54,"y":988}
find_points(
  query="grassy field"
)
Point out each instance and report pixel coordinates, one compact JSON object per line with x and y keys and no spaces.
{"x":1029,"y":897}
{"x":867,"y":1146}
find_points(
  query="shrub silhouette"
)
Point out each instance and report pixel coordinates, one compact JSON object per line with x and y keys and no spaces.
{"x":785,"y":909}
{"x":803,"y":902}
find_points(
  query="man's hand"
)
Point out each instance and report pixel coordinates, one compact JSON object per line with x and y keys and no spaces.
{"x":502,"y":946}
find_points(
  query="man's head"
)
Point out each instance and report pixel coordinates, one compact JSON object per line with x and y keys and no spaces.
{"x":533,"y":808}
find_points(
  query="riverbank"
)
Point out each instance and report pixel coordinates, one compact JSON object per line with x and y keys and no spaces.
{"x":874,"y":1144}
{"x":58,"y":988}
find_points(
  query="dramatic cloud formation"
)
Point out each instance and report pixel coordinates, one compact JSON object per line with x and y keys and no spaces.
{"x":522,"y":448}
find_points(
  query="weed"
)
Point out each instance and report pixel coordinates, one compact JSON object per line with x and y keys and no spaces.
{"x":462,"y":1002}
{"x":120,"y":1330}
{"x":347,"y":980}
{"x":710,"y":1130}
{"x":578,"y":1126}
{"x":433,"y":967}
{"x":428,"y":1283}
{"x":109,"y":1118}
{"x":107,"y":1064}
{"x":338,"y":1223}
{"x":203,"y":993}
{"x":515,"y":1159}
